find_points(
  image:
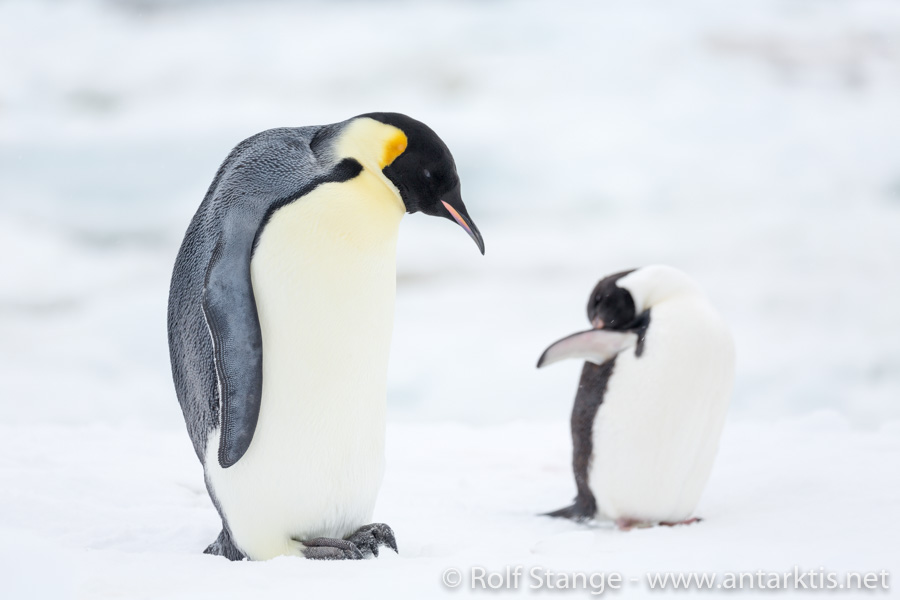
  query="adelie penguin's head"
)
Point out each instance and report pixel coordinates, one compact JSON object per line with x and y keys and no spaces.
{"x":420,"y":165}
{"x":611,"y":307}
{"x":619,"y":311}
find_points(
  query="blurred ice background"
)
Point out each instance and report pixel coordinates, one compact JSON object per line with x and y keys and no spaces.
{"x":755,"y":145}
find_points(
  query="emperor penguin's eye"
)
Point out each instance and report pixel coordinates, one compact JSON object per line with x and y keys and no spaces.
{"x":427,"y":173}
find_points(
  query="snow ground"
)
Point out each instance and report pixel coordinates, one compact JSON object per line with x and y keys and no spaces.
{"x":121,"y":512}
{"x":753,"y":145}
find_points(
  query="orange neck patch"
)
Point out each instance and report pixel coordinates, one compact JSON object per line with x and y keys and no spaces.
{"x":393,"y":148}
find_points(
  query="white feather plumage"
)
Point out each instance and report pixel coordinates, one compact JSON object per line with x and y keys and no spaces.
{"x":324,"y":278}
{"x":657,"y":432}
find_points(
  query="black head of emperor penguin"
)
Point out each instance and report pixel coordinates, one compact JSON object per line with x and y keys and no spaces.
{"x":425,"y":174}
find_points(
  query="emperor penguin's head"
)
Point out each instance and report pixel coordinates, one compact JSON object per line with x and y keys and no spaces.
{"x":421,"y":167}
{"x":619,"y":310}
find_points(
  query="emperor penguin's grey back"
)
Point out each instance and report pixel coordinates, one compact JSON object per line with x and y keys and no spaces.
{"x":261,"y":174}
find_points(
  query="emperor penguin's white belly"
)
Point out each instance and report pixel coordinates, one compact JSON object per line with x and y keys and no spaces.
{"x":656,"y":433}
{"x":324,"y":279}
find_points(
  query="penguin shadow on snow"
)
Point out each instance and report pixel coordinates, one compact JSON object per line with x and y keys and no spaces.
{"x":651,"y":401}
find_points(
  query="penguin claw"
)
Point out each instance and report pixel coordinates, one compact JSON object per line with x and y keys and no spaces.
{"x":685,"y":522}
{"x":369,"y":538}
{"x":364,"y":542}
{"x":331,"y":549}
{"x":625,"y":524}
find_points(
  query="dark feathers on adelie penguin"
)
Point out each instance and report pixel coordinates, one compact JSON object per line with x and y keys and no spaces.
{"x":588,"y":398}
{"x":612,"y":304}
{"x":615,"y":308}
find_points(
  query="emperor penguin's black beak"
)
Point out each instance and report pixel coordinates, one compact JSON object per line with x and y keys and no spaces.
{"x":594,"y":345}
{"x":457,"y":211}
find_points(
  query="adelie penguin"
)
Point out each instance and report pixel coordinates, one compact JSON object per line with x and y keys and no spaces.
{"x":652,"y":399}
{"x":280,"y":318}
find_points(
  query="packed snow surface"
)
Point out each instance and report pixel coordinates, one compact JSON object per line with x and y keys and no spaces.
{"x":753,"y":145}
{"x":121,"y":512}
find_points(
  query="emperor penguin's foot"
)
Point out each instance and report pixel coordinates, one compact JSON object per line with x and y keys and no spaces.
{"x":369,"y":538}
{"x":331,"y":549}
{"x":577,"y":512}
{"x":364,"y":542}
{"x":685,"y":522}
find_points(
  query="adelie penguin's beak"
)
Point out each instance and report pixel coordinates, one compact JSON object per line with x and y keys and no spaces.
{"x":454,"y":205}
{"x":594,"y":345}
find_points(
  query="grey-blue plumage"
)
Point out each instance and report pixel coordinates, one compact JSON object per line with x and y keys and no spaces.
{"x":215,"y":339}
{"x":211,"y":298}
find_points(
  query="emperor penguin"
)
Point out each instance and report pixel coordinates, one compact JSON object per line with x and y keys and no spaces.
{"x":280,"y":317}
{"x":651,"y":402}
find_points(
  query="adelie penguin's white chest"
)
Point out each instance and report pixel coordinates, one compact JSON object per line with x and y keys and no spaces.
{"x":324,"y":279}
{"x":656,"y":433}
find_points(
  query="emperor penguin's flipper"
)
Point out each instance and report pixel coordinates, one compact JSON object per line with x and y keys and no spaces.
{"x":230,"y":311}
{"x":594,"y":345}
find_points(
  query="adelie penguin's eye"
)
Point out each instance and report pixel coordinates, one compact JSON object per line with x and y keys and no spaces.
{"x":426,"y":173}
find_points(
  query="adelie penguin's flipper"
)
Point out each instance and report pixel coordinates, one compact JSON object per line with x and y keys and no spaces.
{"x":594,"y":345}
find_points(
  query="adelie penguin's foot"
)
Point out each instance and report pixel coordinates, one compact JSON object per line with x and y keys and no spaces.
{"x":365,"y":542}
{"x":629,"y":524}
{"x":685,"y":522}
